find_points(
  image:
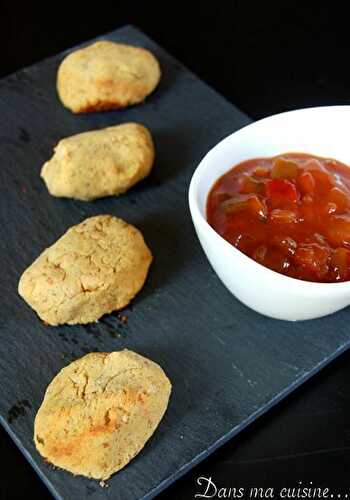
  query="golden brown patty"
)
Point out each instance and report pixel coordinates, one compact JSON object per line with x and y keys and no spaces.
{"x":96,"y":267}
{"x":100,"y":163}
{"x":99,"y":411}
{"x":106,"y":75}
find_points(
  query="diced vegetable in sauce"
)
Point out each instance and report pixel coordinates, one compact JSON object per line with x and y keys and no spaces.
{"x":306,"y":183}
{"x":283,"y":216}
{"x":261,"y":172}
{"x":248,"y":203}
{"x":290,"y":213}
{"x":251,"y":185}
{"x":284,"y":169}
{"x":340,"y":263}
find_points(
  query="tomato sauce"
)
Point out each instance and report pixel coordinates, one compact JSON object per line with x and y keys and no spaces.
{"x":290,"y":213}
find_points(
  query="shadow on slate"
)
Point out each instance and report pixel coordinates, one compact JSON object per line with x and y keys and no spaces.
{"x":227,"y":364}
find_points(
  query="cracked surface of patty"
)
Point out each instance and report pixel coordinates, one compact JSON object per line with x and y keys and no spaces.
{"x":96,"y":267}
{"x":106,"y":75}
{"x":99,"y":411}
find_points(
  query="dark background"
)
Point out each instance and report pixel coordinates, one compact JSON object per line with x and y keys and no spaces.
{"x":266,"y":57}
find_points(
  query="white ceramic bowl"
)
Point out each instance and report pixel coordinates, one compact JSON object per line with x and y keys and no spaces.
{"x":321,"y":131}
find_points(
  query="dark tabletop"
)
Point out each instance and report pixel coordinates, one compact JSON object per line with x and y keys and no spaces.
{"x":265,"y":58}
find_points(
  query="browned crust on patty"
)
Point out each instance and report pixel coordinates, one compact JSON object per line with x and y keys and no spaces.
{"x":99,"y":411}
{"x":106,"y":75}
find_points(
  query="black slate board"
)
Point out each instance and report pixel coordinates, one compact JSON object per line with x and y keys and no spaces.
{"x":228,"y":365}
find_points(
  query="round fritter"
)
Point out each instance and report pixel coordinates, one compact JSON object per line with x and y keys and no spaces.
{"x":99,"y":411}
{"x":106,"y":75}
{"x":95,"y":268}
{"x":100,"y":163}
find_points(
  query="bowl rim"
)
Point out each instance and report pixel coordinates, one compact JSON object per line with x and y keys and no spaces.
{"x":197,"y":216}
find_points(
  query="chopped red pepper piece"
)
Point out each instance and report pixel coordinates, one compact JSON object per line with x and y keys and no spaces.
{"x":281,"y":189}
{"x":289,"y":213}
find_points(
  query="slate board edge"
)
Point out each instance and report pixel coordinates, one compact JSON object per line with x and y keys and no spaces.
{"x":274,"y":401}
{"x":252,"y":418}
{"x":3,"y":422}
{"x":165,"y":484}
{"x":27,"y":455}
{"x":121,"y":28}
